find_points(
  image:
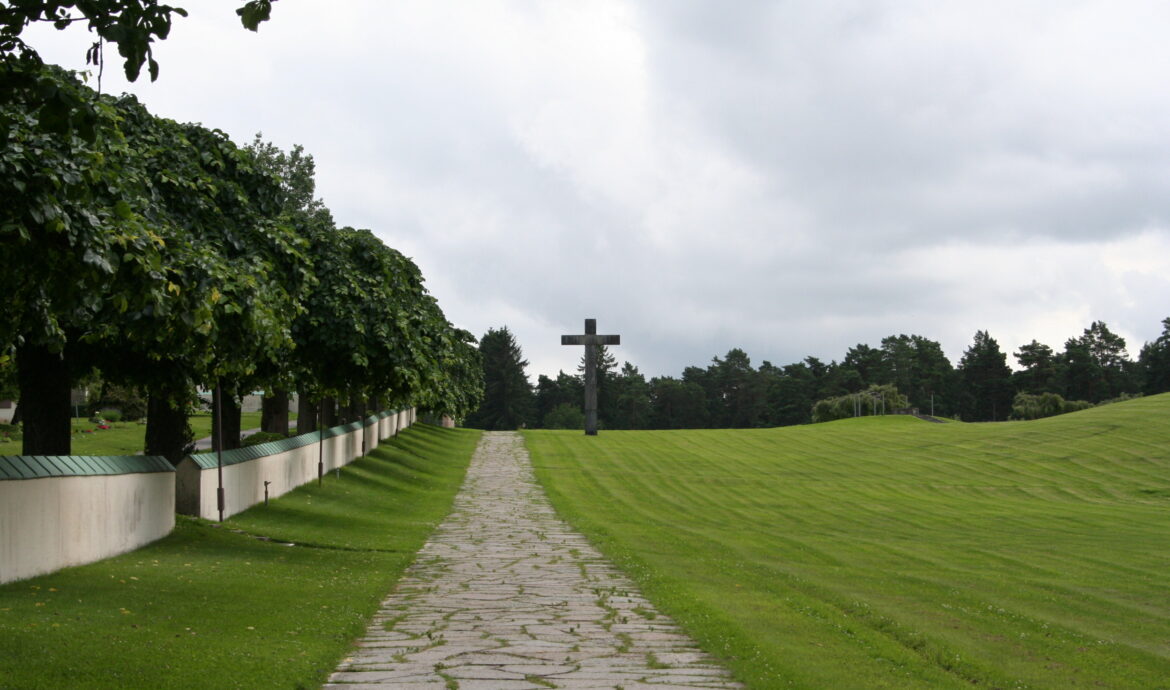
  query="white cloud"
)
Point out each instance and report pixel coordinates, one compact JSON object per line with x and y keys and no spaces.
{"x":787,"y":178}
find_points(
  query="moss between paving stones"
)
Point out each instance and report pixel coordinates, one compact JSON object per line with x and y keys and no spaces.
{"x":220,"y":607}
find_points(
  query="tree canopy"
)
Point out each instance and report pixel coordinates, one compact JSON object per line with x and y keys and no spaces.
{"x":170,"y":257}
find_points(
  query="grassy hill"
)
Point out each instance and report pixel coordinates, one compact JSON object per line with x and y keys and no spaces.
{"x":891,"y":552}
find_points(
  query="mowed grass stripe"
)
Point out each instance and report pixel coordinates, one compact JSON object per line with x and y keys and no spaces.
{"x":890,"y":552}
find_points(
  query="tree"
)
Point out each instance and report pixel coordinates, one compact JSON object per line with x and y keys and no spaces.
{"x":552,"y":393}
{"x":1154,"y":362}
{"x":606,"y":392}
{"x":739,"y":391}
{"x":1100,"y":366}
{"x":76,"y":202}
{"x":632,"y":405}
{"x":78,"y":257}
{"x":869,"y":363}
{"x":791,"y":392}
{"x":131,"y":25}
{"x":875,"y":400}
{"x":459,"y":391}
{"x":1039,"y":369}
{"x":234,"y":274}
{"x":507,"y":395}
{"x":1030,"y":406}
{"x":986,"y":377}
{"x":564,"y":416}
{"x":676,"y":404}
{"x":918,"y":368}
{"x":300,"y":209}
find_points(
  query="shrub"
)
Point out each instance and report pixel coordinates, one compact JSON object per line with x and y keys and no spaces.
{"x":1029,"y":406}
{"x":564,"y":416}
{"x":262,"y":437}
{"x":127,"y":401}
{"x":874,"y":400}
{"x":111,"y":415}
{"x":10,"y":432}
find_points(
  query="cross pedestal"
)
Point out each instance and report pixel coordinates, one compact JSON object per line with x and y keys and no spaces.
{"x":591,"y":340}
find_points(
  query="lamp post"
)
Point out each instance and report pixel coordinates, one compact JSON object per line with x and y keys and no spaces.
{"x":219,"y":497}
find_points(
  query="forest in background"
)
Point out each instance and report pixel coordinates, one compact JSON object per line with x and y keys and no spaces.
{"x":903,"y":372}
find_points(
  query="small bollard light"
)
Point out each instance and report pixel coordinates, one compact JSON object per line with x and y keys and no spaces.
{"x":266,"y":483}
{"x":338,"y":472}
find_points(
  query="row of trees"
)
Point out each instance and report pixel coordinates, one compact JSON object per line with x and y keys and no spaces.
{"x":169,"y":258}
{"x":904,"y":371}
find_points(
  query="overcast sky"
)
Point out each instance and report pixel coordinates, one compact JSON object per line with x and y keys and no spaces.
{"x":789,"y":178}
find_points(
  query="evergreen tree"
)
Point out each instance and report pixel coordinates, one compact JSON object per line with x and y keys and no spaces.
{"x":869,"y":363}
{"x":739,"y":392}
{"x":554,"y":393}
{"x":676,"y":404}
{"x":632,"y":395}
{"x":564,"y":416}
{"x":986,"y":377}
{"x":791,"y":396}
{"x":606,"y":393}
{"x":920,"y":370}
{"x":1114,"y":369}
{"x":1040,"y":370}
{"x":1154,"y":363}
{"x":1082,"y":378}
{"x":507,"y":396}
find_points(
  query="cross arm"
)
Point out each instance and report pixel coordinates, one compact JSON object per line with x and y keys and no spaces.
{"x":591,"y":339}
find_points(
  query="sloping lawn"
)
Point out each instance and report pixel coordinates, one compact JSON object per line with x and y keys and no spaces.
{"x":215,"y":607}
{"x":890,"y":552}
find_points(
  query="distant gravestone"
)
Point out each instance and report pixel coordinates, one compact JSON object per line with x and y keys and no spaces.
{"x":591,"y":340}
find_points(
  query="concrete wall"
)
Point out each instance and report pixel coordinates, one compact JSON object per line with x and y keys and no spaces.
{"x":94,"y":508}
{"x":243,"y":480}
{"x":49,"y":523}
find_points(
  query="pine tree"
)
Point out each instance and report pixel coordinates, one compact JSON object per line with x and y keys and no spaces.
{"x":987,"y":381}
{"x":507,"y":395}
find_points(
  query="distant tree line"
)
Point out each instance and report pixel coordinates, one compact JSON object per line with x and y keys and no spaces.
{"x":903,"y":372}
{"x":167,"y":258}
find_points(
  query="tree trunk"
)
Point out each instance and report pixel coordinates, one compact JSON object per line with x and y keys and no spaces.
{"x":329,"y":413}
{"x":168,"y":430}
{"x":274,"y":412}
{"x":357,"y":407}
{"x":306,"y":413}
{"x":266,"y":410}
{"x":231,"y":418}
{"x":43,"y":377}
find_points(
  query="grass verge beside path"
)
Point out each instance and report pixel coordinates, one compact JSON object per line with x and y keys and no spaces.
{"x":213,"y":607}
{"x":890,"y":552}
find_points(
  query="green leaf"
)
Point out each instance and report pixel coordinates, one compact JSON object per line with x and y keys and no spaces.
{"x":254,"y":12}
{"x":123,"y":210}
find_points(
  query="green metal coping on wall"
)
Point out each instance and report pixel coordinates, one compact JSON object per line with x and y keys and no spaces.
{"x":40,"y":466}
{"x":237,"y":455}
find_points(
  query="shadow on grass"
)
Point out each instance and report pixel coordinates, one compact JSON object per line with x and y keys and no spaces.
{"x":208,"y":607}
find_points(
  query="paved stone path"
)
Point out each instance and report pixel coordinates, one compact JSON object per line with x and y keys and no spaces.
{"x":505,"y":595}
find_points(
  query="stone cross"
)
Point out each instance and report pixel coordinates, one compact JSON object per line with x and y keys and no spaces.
{"x":591,"y":340}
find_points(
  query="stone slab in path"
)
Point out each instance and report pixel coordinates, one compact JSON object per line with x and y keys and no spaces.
{"x":505,"y":595}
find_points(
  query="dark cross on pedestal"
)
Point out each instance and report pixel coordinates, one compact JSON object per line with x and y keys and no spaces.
{"x":591,"y":340}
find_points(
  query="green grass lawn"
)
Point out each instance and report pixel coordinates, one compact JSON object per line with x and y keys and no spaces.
{"x":215,"y":607}
{"x":891,"y":552}
{"x":127,"y":438}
